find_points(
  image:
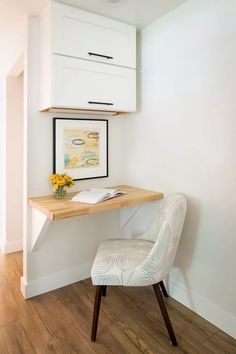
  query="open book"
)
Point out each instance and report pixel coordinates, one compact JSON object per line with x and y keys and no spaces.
{"x":97,"y":195}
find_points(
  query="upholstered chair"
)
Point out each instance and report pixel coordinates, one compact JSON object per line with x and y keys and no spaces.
{"x":141,"y":262}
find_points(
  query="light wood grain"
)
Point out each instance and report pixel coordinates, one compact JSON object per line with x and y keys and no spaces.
{"x":76,"y":111}
{"x":59,"y":322}
{"x":60,"y":209}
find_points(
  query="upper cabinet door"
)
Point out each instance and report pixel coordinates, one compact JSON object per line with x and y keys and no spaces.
{"x":84,"y":35}
{"x":88,"y":85}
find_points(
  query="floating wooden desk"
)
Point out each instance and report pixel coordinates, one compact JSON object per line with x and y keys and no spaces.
{"x":47,"y":209}
{"x":55,"y":209}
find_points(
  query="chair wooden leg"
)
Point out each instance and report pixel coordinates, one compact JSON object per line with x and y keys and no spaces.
{"x":165,"y":314}
{"x":97,"y":302}
{"x":104,"y":291}
{"x":163,"y":288}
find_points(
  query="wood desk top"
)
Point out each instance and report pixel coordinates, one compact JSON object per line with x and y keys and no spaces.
{"x":56,"y":209}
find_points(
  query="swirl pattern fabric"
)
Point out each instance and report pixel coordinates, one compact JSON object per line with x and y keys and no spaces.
{"x":148,"y":260}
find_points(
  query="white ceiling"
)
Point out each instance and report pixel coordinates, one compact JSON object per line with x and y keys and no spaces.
{"x":137,"y":12}
{"x":13,"y":15}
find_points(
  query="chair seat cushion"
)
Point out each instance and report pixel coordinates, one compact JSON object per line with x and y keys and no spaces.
{"x":116,"y":260}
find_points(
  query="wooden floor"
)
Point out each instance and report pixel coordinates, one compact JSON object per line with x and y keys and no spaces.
{"x":130,"y":321}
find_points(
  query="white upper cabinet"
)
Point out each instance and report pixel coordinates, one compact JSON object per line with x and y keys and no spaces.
{"x":82,"y":34}
{"x":87,"y":61}
{"x":110,"y":88}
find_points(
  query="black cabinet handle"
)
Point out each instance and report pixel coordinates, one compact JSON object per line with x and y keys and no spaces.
{"x":104,"y":103}
{"x":100,"y":55}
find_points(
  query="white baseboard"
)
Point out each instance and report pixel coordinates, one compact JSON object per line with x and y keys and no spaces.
{"x":204,"y":308}
{"x":55,"y":281}
{"x":11,"y":247}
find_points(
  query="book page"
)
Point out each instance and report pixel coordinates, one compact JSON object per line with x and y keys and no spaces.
{"x":90,"y":197}
{"x":96,"y":195}
{"x":112,"y":192}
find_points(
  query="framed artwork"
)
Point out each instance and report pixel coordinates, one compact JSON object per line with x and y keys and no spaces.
{"x":80,"y":147}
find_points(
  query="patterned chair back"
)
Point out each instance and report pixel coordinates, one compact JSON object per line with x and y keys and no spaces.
{"x":165,"y":232}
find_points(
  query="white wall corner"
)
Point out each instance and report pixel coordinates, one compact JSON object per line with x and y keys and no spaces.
{"x":55,"y":281}
{"x":204,"y":308}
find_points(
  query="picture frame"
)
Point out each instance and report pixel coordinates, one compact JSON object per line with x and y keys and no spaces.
{"x":80,"y":147}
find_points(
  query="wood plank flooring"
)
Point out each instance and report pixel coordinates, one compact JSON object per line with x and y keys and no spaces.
{"x":130,"y":321}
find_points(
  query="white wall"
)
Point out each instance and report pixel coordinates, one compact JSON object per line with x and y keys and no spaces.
{"x":2,"y":162}
{"x":11,"y":158}
{"x":12,"y":35}
{"x":69,"y":247}
{"x":14,"y":164}
{"x":183,"y":140}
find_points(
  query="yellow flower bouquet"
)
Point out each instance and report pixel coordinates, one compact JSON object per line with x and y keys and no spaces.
{"x":59,"y":181}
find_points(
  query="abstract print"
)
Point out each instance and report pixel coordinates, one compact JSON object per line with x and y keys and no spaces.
{"x":81,"y":148}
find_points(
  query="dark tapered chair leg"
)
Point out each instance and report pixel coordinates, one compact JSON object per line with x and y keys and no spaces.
{"x":104,"y":291}
{"x":97,"y":301}
{"x":165,"y":314}
{"x":163,"y":288}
